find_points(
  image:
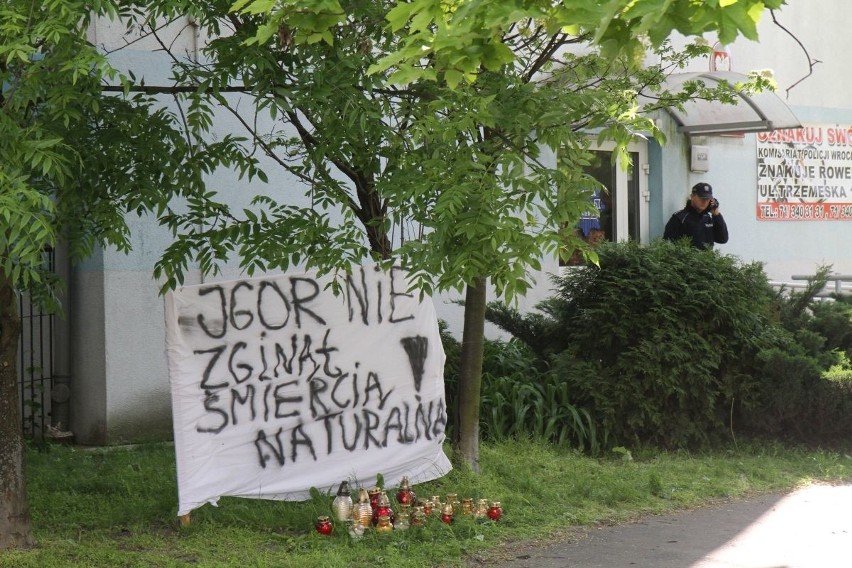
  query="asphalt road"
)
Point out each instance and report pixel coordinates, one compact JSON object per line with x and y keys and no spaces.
{"x":808,"y":528}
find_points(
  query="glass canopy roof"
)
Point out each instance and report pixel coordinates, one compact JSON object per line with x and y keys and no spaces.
{"x":754,"y":112}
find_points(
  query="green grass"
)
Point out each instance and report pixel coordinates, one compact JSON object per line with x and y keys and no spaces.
{"x":117,"y":507}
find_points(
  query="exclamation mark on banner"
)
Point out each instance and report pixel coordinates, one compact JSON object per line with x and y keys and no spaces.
{"x":416,"y":348}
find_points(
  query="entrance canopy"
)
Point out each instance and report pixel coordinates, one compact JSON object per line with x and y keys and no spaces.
{"x":754,"y":112}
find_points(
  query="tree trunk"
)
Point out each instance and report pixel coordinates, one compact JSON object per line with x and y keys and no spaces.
{"x":466,"y":437}
{"x":14,"y":514}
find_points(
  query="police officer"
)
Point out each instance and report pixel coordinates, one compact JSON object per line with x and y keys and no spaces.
{"x":700,"y":220}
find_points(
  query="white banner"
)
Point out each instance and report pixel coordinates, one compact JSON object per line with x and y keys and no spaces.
{"x":278,"y":385}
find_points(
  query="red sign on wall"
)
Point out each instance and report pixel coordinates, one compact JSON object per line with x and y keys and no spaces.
{"x":805,"y":174}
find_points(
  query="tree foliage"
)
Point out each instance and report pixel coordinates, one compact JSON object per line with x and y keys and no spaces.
{"x":73,"y":161}
{"x":454,"y":184}
{"x":453,"y":179}
{"x":456,"y":40}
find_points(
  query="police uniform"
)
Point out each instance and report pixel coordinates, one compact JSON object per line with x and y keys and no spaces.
{"x":702,"y":227}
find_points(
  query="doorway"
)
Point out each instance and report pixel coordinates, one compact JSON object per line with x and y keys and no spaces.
{"x":619,"y":211}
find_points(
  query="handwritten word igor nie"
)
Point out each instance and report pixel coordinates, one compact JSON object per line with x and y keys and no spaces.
{"x":291,"y":365}
{"x":274,"y":306}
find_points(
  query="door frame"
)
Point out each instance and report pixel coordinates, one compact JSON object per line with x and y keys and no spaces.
{"x":620,"y":192}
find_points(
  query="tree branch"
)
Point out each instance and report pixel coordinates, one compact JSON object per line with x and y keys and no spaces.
{"x":811,"y":62}
{"x":169,"y":89}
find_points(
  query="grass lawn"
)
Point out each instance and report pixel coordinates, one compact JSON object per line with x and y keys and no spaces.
{"x":117,"y":507}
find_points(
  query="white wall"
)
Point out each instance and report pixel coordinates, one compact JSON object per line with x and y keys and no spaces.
{"x":821,"y":26}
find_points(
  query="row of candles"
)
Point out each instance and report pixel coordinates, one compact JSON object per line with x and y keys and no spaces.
{"x":373,"y":510}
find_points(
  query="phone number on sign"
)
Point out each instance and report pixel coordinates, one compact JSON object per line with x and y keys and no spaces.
{"x":804,"y":211}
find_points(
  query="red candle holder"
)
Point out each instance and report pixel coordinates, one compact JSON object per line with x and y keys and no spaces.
{"x":495,"y":511}
{"x":383,"y":508}
{"x":405,"y":495}
{"x":447,"y":514}
{"x":323,"y":526}
{"x":374,"y":493}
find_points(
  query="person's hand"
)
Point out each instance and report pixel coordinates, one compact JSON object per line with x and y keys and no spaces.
{"x":714,"y":205}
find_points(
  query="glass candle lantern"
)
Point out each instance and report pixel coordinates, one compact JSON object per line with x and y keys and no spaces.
{"x":356,"y":530}
{"x":447,"y":514}
{"x":405,"y":495}
{"x":402,"y":521}
{"x":342,"y":504}
{"x":323,"y":526}
{"x":383,"y":507}
{"x":362,"y":512}
{"x":418,"y":517}
{"x":467,"y":506}
{"x":452,"y":499}
{"x":374,"y":493}
{"x":383,"y":524}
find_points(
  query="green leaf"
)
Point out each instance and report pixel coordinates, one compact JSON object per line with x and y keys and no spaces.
{"x":453,"y":77}
{"x":399,"y":15}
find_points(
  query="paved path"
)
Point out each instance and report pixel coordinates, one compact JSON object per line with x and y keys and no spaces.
{"x":809,"y":528}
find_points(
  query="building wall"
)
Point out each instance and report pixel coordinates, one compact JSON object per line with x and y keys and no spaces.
{"x":820,"y":27}
{"x":88,"y":352}
{"x":818,"y":96}
{"x":120,"y":381}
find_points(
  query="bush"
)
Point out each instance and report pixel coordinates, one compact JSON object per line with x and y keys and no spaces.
{"x":800,"y":401}
{"x":806,"y":381}
{"x":658,"y":341}
{"x":833,"y":321}
{"x":678,"y":347}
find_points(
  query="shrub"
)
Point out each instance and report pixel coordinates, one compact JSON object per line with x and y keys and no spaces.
{"x":831,"y":321}
{"x":806,"y":380}
{"x":676,"y":347}
{"x":800,"y":401}
{"x":659,"y":341}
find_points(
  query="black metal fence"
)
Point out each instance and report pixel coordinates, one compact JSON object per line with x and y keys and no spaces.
{"x":35,"y":365}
